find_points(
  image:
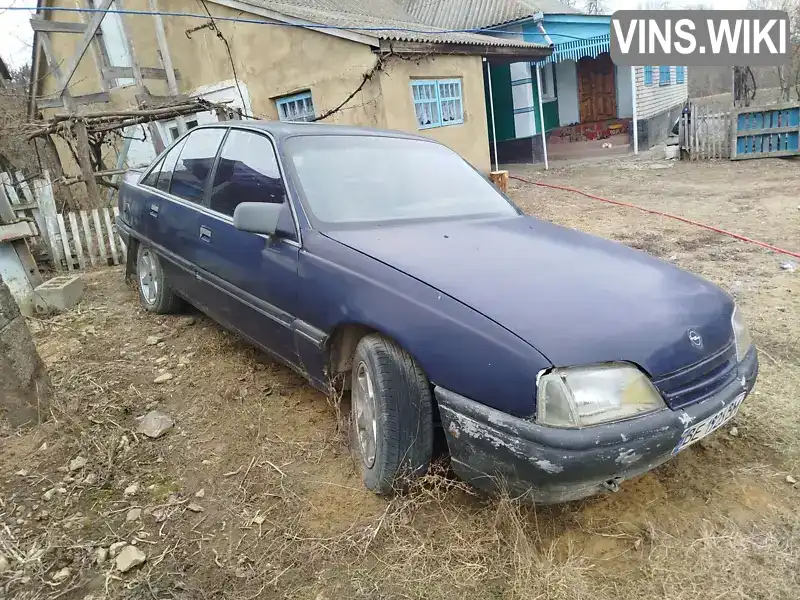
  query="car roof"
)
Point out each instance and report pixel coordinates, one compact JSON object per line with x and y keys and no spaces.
{"x":281,"y":130}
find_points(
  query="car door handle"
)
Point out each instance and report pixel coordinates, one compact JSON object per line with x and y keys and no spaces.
{"x":205,"y":234}
{"x":154,"y":210}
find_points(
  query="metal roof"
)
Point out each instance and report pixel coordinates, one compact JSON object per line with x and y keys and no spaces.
{"x":382,"y":19}
{"x":476,"y":14}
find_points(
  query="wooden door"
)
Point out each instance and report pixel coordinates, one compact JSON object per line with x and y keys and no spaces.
{"x":597,"y":89}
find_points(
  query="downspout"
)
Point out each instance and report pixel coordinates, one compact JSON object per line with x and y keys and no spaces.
{"x":539,"y":20}
{"x":635,"y":113}
{"x":491,"y":111}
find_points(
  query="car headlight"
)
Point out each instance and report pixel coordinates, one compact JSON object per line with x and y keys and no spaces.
{"x":741,"y":335}
{"x":584,"y":396}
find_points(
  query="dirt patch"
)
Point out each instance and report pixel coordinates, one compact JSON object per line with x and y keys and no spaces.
{"x":252,"y":493}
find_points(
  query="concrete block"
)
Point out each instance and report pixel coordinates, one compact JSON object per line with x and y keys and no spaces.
{"x":59,"y":293}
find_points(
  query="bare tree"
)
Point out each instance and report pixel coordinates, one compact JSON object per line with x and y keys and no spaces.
{"x":788,"y":75}
{"x":595,"y":7}
{"x":655,"y":5}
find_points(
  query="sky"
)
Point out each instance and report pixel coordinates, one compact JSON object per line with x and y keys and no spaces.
{"x":16,"y":35}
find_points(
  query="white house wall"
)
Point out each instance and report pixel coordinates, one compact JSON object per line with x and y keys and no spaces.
{"x":567,"y":83}
{"x":655,"y":99}
{"x":624,"y":93}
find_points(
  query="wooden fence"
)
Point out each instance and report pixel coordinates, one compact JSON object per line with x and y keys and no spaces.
{"x":705,"y":132}
{"x":766,"y":131}
{"x":72,"y":240}
{"x":86,"y":238}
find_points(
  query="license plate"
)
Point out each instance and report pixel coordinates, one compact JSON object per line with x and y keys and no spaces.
{"x":698,"y":431}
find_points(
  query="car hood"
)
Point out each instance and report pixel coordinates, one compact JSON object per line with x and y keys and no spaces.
{"x":576,"y":298}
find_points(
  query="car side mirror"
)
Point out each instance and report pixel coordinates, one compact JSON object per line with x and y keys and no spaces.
{"x":257,"y":217}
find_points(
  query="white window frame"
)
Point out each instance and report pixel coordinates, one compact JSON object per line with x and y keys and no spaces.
{"x":115,"y":44}
{"x":548,"y":82}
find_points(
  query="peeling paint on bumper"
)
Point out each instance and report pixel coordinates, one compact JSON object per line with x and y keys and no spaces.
{"x":491,"y":449}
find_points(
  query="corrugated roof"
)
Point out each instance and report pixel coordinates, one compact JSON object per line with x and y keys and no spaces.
{"x":382,"y":19}
{"x":476,"y":14}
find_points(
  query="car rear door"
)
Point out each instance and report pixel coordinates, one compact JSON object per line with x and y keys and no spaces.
{"x":253,"y":278}
{"x":147,"y":206}
{"x":178,"y":230}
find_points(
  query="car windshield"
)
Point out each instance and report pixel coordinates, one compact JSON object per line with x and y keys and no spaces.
{"x":348,"y":180}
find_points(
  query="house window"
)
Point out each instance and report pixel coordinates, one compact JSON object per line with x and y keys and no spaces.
{"x":437,"y":102}
{"x":664,"y":76}
{"x":174,"y":132}
{"x":548,"y":81}
{"x":114,"y":42}
{"x":297,"y":107}
{"x":648,"y":75}
{"x":680,"y":74}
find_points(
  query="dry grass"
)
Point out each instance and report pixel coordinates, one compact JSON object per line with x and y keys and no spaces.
{"x":283,"y":514}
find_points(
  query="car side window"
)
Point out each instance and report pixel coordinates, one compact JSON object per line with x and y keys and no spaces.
{"x":194,"y":164}
{"x":152,"y":176}
{"x":167,"y":166}
{"x":247,"y":171}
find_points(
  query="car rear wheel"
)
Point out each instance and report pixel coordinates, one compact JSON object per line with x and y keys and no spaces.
{"x":391,"y":422}
{"x":155,"y":293}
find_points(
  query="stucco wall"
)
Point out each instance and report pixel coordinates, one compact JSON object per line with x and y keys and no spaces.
{"x":470,"y":139}
{"x":273,"y":61}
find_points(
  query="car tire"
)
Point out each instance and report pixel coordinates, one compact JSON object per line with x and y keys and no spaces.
{"x":391,"y":407}
{"x":155,"y":293}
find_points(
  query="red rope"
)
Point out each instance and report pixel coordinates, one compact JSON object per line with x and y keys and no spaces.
{"x":656,"y":212}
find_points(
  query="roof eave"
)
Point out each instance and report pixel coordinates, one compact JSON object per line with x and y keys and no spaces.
{"x":495,"y":53}
{"x":354,"y":36}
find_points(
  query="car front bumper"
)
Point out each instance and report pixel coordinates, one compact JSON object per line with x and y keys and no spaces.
{"x":492,"y":450}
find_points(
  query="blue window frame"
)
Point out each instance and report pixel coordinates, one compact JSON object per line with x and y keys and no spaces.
{"x":664,"y":75}
{"x":648,"y":75}
{"x":297,"y":107}
{"x":680,"y":74}
{"x":437,"y":102}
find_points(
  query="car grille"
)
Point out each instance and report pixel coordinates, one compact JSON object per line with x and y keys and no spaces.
{"x":701,"y":380}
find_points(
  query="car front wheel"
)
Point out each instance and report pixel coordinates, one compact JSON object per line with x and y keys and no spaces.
{"x":155,"y":293}
{"x":391,"y":422}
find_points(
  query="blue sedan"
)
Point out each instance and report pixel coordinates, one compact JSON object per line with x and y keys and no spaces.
{"x":555,"y":363}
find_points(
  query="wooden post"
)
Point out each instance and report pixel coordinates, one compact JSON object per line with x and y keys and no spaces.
{"x":84,"y":152}
{"x":158,"y":143}
{"x":166,"y":60}
{"x":500,"y":180}
{"x":25,"y":389}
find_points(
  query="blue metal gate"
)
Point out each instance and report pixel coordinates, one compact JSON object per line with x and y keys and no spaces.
{"x":766,"y":131}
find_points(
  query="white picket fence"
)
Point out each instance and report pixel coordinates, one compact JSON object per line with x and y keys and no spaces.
{"x":705,"y":132}
{"x":73,"y":240}
{"x":85,"y":238}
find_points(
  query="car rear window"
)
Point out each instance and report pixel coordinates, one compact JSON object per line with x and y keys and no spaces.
{"x":194,"y":164}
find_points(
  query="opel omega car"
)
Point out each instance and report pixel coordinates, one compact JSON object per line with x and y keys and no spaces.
{"x":554,"y":362}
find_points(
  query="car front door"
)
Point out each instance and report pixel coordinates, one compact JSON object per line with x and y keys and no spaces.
{"x":253,"y":277}
{"x":179,"y":211}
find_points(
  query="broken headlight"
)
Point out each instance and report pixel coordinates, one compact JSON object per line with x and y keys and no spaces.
{"x":740,"y":334}
{"x":585,"y":396}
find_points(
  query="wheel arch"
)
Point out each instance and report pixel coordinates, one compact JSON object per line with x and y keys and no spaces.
{"x":341,"y":346}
